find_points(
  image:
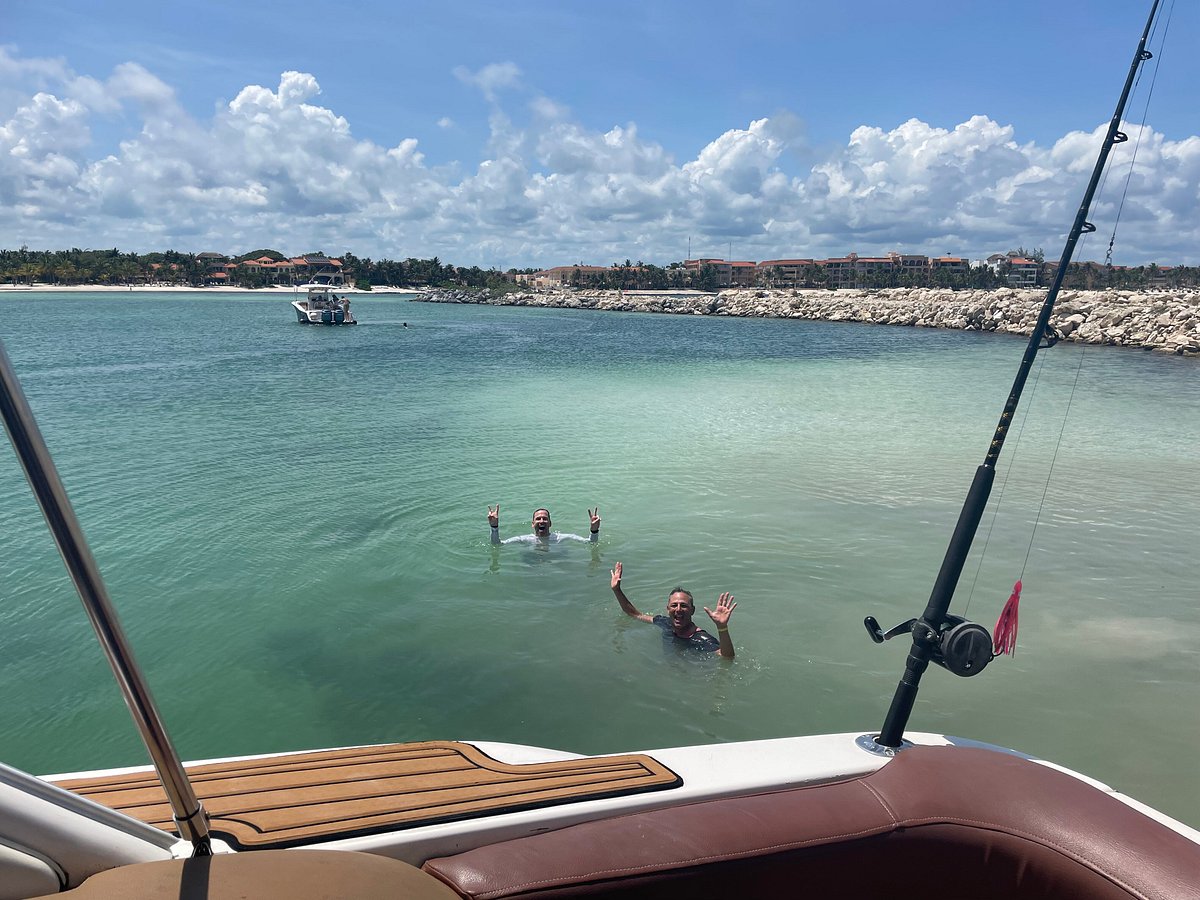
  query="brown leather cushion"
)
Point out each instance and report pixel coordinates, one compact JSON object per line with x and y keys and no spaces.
{"x":935,"y":823}
{"x":264,"y":875}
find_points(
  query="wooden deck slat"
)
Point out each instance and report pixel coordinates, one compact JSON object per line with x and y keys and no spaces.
{"x":397,"y":793}
{"x":280,"y":816}
{"x":323,"y":783}
{"x":232,"y":785}
{"x":299,"y":797}
{"x":316,"y":759}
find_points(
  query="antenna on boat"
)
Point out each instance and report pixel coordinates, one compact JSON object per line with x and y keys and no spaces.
{"x":190,"y":817}
{"x":950,"y":641}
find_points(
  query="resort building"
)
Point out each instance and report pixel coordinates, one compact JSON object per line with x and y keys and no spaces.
{"x":849,"y":271}
{"x":955,"y":265}
{"x":738,"y":273}
{"x":315,"y":268}
{"x":722,"y":269}
{"x":785,"y":272}
{"x":1160,"y":276}
{"x":909,"y":264}
{"x":165,"y":273}
{"x":558,"y":276}
{"x":282,"y":271}
{"x":853,"y":270}
{"x":871,"y":269}
{"x":743,"y":274}
{"x":1021,"y":272}
{"x":1024,"y":272}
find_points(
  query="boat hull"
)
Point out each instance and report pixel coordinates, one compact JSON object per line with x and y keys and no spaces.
{"x":972,"y":822}
{"x":770,"y":812}
{"x":308,"y":314}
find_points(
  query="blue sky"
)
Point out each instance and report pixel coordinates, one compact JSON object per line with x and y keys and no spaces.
{"x":535,"y":134}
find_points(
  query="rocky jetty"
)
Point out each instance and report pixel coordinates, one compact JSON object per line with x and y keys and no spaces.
{"x":1162,"y":320}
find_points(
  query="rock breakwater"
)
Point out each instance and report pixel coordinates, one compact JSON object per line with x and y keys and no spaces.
{"x":1163,"y":320}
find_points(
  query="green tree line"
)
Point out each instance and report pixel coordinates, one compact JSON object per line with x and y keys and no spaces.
{"x":112,"y":267}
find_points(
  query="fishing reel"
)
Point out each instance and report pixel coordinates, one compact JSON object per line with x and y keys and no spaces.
{"x":959,"y":646}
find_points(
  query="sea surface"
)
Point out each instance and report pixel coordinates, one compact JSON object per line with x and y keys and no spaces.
{"x":291,"y":522}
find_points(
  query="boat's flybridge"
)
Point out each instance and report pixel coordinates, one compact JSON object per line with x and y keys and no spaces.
{"x":889,"y":813}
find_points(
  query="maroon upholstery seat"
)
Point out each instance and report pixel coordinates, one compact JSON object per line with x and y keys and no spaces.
{"x":935,"y":823}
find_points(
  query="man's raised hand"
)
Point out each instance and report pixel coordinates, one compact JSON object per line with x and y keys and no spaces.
{"x":725,"y":608}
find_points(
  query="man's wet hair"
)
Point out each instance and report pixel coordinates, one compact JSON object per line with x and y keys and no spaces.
{"x":679,"y":590}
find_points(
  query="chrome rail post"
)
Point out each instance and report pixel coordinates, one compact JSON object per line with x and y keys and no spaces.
{"x":190,"y":817}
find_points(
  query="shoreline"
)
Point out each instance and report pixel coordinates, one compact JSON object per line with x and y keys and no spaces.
{"x":1166,"y":321}
{"x":39,"y":288}
{"x":1163,"y":320}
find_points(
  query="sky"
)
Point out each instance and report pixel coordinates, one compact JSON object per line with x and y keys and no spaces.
{"x":533,"y":134}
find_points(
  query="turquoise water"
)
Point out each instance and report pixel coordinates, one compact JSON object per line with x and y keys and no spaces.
{"x":292,"y":524}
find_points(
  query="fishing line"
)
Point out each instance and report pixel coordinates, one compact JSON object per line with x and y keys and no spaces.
{"x":1108,"y":261}
{"x":1012,"y":462}
{"x":1053,"y":459}
{"x":1141,"y":127}
{"x":1028,"y":406}
{"x":1082,"y":352}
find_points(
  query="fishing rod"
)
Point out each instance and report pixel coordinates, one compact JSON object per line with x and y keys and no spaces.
{"x":189,"y":815}
{"x":964,"y":647}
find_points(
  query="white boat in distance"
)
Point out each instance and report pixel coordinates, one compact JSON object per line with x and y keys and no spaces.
{"x":320,"y":305}
{"x":885,"y":813}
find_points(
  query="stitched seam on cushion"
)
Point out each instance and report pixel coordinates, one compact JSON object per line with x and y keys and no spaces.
{"x":693,"y":861}
{"x":793,"y":845}
{"x":879,"y":797}
{"x":745,"y":854}
{"x":1033,"y":838}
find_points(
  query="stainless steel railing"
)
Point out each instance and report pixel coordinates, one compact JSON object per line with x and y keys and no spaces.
{"x":190,"y":817}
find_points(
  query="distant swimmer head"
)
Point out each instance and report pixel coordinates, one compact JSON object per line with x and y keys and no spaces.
{"x":541,"y":522}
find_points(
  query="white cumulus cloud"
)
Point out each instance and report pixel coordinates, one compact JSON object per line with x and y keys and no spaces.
{"x":491,"y":79}
{"x":275,"y":167}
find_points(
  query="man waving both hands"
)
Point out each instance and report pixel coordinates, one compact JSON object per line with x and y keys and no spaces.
{"x":541,"y":528}
{"x":677,"y":624}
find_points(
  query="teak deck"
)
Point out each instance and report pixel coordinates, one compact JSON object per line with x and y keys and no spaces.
{"x":322,"y":795}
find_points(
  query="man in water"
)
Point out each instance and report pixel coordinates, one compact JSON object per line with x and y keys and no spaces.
{"x":541,"y":528}
{"x":678,"y":624}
